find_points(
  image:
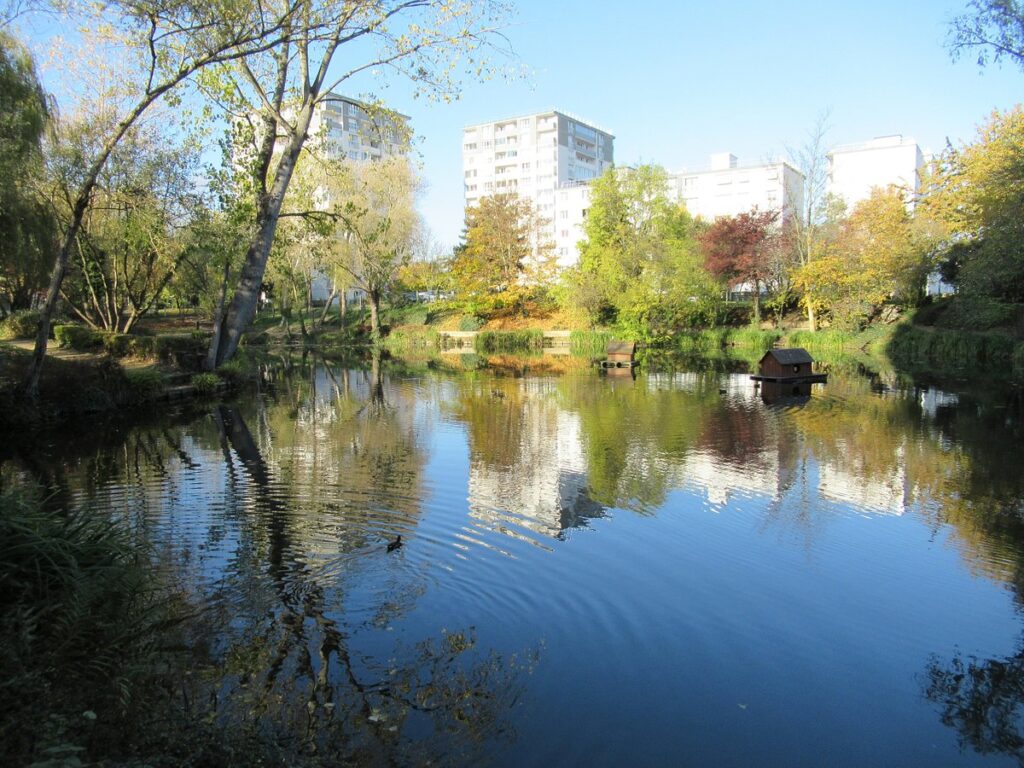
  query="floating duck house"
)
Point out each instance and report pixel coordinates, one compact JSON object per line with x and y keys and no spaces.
{"x":619,"y":354}
{"x":788,"y":365}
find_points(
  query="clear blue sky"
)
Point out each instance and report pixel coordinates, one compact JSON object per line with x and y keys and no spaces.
{"x":676,"y":83}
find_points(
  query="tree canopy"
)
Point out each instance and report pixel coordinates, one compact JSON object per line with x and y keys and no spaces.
{"x":639,"y":265}
{"x":975,"y":193}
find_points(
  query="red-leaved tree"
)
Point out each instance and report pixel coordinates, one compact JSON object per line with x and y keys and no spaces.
{"x":743,"y":249}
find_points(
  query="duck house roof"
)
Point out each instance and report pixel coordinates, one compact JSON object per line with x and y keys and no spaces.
{"x":792,"y":356}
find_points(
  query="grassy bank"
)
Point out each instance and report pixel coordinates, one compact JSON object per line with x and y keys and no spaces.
{"x":959,"y":351}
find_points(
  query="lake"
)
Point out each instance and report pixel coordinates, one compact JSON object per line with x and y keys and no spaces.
{"x":671,"y":568}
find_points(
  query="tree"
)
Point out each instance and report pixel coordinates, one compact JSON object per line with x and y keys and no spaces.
{"x":877,"y":254}
{"x":26,"y":224}
{"x":162,"y":43}
{"x":426,"y":41}
{"x":640,"y":265}
{"x":131,"y":240}
{"x":992,"y":28}
{"x":504,"y":255}
{"x":975,"y":194}
{"x":743,"y":249}
{"x":808,"y":228}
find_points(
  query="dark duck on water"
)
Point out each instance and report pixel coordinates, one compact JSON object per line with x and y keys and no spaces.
{"x":396,"y":544}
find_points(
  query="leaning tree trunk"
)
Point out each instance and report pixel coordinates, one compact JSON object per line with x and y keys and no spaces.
{"x":374,"y":296}
{"x":243,"y":304}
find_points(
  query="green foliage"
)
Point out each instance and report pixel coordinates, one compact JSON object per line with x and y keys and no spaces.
{"x":145,"y":383}
{"x":27,"y":225}
{"x":972,"y":313}
{"x":407,"y":338}
{"x":22,"y":324}
{"x":77,"y":337}
{"x":960,"y":351}
{"x":589,"y":343}
{"x":753,"y":338}
{"x":206,"y":383}
{"x":975,"y":194}
{"x":470,"y":323}
{"x":236,"y":370}
{"x":503,"y":261}
{"x":829,"y":340}
{"x":184,"y":350}
{"x":877,"y":254}
{"x":640,"y":269}
{"x":77,"y":613}
{"x":490,"y":342}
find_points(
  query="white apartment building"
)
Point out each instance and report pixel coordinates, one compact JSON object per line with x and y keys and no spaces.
{"x":855,"y":169}
{"x":351,"y":129}
{"x":888,"y":161}
{"x":359,"y":131}
{"x":548,"y":158}
{"x":729,"y":189}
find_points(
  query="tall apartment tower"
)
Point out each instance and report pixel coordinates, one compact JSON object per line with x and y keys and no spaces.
{"x":729,"y":188}
{"x":548,"y":158}
{"x":359,"y":131}
{"x":855,"y":169}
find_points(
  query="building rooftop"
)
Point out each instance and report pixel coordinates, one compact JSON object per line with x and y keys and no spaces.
{"x":879,"y":142}
{"x":539,"y":113}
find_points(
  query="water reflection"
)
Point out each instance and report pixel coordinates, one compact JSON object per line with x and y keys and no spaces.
{"x":274,"y":512}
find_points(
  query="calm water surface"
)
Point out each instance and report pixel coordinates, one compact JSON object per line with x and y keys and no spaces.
{"x":595,"y":571}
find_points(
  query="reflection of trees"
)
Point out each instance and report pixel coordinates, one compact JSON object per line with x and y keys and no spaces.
{"x":635,"y":438}
{"x":982,"y":700}
{"x":291,"y":667}
{"x":291,"y":497}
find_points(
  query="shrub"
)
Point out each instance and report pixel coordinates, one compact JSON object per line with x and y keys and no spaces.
{"x":183,"y":350}
{"x":23,"y":324}
{"x":117,"y":344}
{"x":206,"y":383}
{"x":975,"y":313}
{"x":470,"y":323}
{"x":144,"y":383}
{"x":77,"y":337}
{"x":235,"y":371}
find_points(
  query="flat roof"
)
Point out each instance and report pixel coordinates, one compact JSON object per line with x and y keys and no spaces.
{"x":563,"y":113}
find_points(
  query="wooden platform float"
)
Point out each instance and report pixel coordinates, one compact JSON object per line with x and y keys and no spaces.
{"x":790,"y":366}
{"x":619,"y":354}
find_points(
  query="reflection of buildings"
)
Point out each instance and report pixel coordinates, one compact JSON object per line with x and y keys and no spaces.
{"x":544,"y":488}
{"x":720,"y":480}
{"x":885,"y":495}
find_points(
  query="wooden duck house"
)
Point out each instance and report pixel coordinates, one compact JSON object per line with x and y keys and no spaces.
{"x":619,"y":354}
{"x":788,"y":365}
